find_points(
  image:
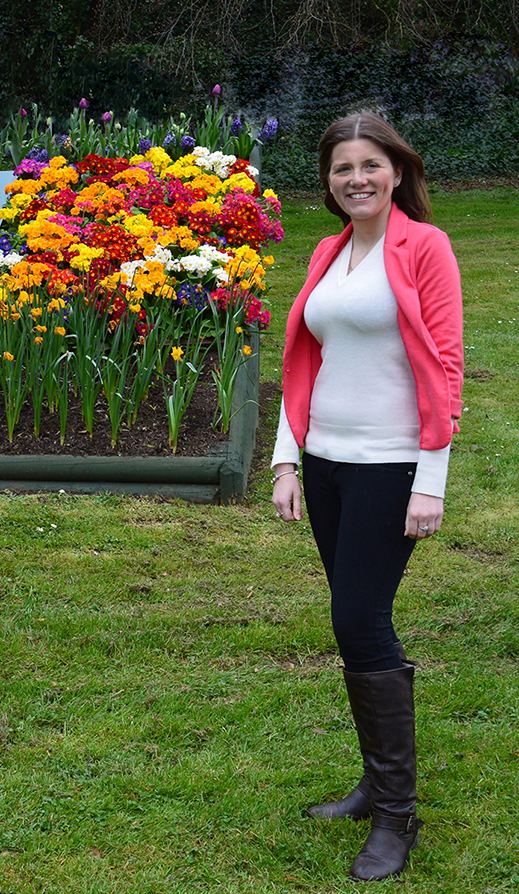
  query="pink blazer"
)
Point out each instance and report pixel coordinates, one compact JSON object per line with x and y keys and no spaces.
{"x":424,"y":276}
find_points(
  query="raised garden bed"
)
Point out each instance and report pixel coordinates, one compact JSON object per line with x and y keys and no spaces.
{"x":216,"y":476}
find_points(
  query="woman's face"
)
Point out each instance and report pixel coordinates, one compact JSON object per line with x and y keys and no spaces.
{"x":362,"y":179}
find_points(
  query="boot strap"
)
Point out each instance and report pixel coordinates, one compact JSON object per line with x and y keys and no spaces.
{"x":396,"y":823}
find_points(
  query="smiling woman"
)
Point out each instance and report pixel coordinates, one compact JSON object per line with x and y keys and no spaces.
{"x":362,"y":179}
{"x":372,"y":377}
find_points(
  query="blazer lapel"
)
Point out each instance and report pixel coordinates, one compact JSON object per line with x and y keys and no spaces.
{"x":318,"y":270}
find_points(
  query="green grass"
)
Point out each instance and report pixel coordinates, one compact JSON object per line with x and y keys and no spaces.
{"x":171,"y":695}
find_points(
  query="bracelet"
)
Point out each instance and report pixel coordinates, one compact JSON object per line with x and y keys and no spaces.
{"x":291,"y":472}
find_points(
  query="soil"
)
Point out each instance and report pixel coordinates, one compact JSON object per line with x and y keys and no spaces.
{"x":148,"y":437}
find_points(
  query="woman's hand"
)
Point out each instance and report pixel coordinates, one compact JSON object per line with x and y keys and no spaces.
{"x":287,"y":493}
{"x":424,"y":516}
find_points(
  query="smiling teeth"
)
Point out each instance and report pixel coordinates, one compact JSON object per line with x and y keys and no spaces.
{"x":360,"y":195}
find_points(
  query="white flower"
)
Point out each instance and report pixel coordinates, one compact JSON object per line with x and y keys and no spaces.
{"x":209,"y":251}
{"x":216,"y":162}
{"x":221,"y":275}
{"x":194,"y":264}
{"x":10,"y":259}
{"x":160,"y":254}
{"x":128,"y":269}
{"x":252,"y":171}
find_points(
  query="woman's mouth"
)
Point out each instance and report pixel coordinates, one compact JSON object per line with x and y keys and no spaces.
{"x":358,"y":196}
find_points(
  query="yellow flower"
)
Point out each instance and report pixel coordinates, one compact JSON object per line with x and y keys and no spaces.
{"x":59,"y":330}
{"x":268,"y":260}
{"x":247,"y":350}
{"x":55,"y":304}
{"x":132,"y":176}
{"x":38,"y":340}
{"x":135,"y":308}
{"x":269,"y":194}
{"x":238,"y":181}
{"x":8,"y":356}
{"x":238,"y":330}
{"x":176,"y":353}
{"x":36,"y":312}
{"x":40,"y":328}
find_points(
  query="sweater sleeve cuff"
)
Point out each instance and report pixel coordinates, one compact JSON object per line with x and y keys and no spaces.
{"x":431,"y":472}
{"x":286,"y":449}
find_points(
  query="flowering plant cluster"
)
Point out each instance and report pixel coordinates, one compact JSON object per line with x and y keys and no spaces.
{"x":121,"y":252}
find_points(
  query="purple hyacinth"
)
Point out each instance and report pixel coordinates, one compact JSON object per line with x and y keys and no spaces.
{"x":144,"y":145}
{"x":269,"y":130}
{"x":236,"y":126}
{"x":38,"y":154}
{"x":194,"y":295}
{"x":169,"y":139}
{"x":187,"y":142}
{"x":60,"y":139}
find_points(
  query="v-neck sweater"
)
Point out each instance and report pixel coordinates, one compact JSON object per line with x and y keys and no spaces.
{"x":363,"y":406}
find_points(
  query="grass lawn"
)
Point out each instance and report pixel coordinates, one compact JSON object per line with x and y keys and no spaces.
{"x":171,"y":694}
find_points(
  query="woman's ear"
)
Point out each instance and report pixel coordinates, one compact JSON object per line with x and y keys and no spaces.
{"x":398,"y":175}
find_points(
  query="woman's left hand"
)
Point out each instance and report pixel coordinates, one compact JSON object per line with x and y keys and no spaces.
{"x":424,"y":516}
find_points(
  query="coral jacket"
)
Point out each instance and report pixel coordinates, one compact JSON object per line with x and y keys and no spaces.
{"x":423,"y":273}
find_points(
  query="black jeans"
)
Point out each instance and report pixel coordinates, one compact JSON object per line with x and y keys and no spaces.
{"x":357,"y":513}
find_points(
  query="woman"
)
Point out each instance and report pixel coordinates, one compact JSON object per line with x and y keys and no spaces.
{"x":372,"y":377}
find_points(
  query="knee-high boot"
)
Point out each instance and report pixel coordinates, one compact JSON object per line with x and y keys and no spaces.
{"x":383,"y":709}
{"x":357,"y":804}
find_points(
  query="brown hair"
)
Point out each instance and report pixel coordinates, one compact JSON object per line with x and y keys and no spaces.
{"x":411,"y":193}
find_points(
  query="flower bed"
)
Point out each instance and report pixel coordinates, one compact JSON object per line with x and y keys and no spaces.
{"x":116,"y":273}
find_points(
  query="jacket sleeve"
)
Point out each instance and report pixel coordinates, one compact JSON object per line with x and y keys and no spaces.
{"x":439,"y":289}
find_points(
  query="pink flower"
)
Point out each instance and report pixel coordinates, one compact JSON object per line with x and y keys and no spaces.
{"x":106,"y":117}
{"x":23,"y":113}
{"x":216,"y":90}
{"x":83,"y":104}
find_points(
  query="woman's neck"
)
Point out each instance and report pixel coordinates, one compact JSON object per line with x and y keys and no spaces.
{"x":368,"y":232}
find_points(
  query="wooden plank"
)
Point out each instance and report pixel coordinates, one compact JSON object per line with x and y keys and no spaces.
{"x":194,"y":493}
{"x":145,"y":469}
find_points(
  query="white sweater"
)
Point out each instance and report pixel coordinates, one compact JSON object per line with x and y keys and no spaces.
{"x":363,"y":407}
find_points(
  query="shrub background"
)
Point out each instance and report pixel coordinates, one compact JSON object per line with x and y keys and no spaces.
{"x":446,"y":74}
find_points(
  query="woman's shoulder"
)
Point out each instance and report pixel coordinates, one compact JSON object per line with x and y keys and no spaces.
{"x":422,"y":232}
{"x":323,"y":245}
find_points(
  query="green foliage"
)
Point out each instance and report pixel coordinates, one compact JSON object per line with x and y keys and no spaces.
{"x":445,"y":74}
{"x":457,"y":104}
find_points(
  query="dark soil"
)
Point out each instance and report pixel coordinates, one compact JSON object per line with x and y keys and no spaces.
{"x":148,"y":437}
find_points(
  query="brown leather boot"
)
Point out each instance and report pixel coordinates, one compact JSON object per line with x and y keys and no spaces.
{"x":383,"y":708}
{"x":356,"y":805}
